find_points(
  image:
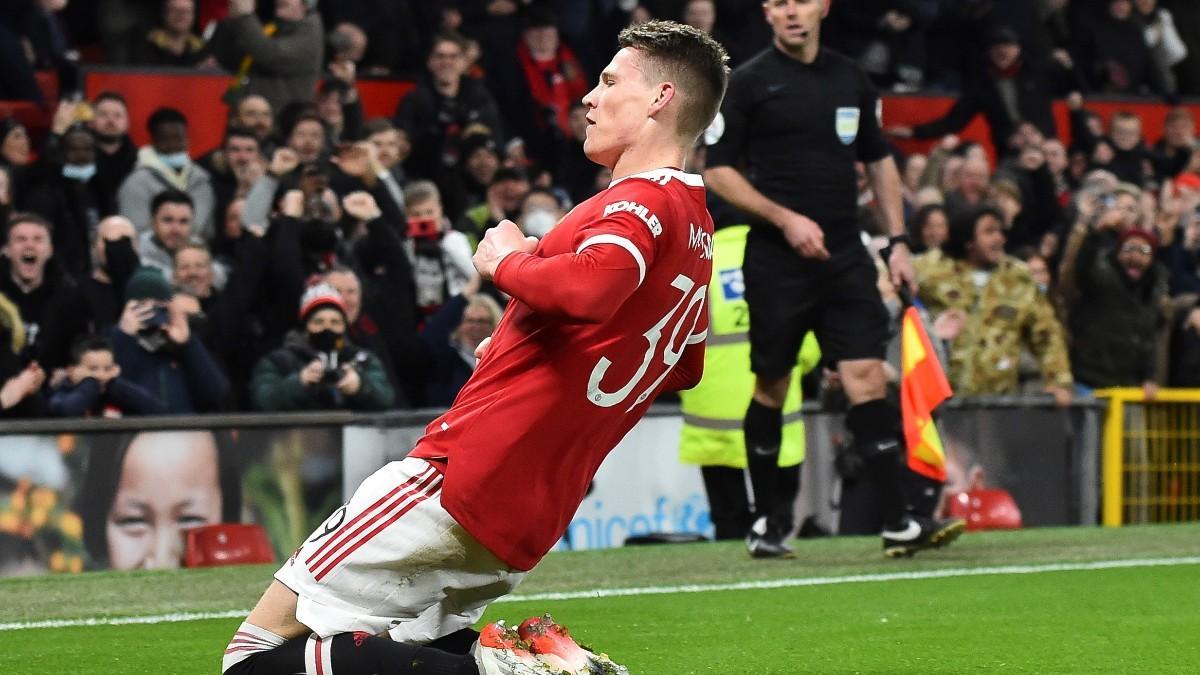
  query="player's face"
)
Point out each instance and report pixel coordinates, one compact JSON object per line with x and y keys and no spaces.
{"x":618,"y":107}
{"x":795,"y":23}
{"x":168,"y":484}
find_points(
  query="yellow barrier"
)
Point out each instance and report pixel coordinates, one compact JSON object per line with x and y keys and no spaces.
{"x":1151,"y":456}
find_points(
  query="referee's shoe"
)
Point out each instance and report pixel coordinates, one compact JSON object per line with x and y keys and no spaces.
{"x":765,"y":541}
{"x":920,"y":533}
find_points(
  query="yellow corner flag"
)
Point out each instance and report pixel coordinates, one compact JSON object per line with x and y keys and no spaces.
{"x":923,"y":387}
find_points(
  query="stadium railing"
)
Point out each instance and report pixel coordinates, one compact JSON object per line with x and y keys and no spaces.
{"x":1151,"y":456}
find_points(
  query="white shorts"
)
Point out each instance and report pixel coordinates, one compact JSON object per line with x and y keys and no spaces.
{"x":393,"y":560}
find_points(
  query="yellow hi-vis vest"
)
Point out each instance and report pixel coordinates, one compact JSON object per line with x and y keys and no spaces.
{"x":713,"y":411}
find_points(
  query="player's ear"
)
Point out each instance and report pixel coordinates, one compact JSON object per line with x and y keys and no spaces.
{"x":664,"y":93}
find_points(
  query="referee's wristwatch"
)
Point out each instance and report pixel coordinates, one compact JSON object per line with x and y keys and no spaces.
{"x":900,"y":239}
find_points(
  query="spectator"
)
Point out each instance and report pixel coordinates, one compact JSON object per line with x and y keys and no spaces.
{"x":307,"y":137}
{"x":318,"y":368}
{"x":444,"y":104}
{"x":1010,"y":90}
{"x":347,"y":42}
{"x":116,"y":155}
{"x":1174,"y":150}
{"x":20,"y":393}
{"x":6,"y":195}
{"x":172,"y":43}
{"x":234,"y":168}
{"x":887,"y":37}
{"x":540,"y":212}
{"x":172,"y":227}
{"x":16,"y":155}
{"x":973,"y":182}
{"x":155,"y":348}
{"x":1102,"y":199}
{"x":1116,"y":318}
{"x":575,"y":172}
{"x":986,"y":305}
{"x":49,"y":302}
{"x":339,"y":106}
{"x":69,"y":196}
{"x":280,"y":61}
{"x":1131,"y":159}
{"x":503,"y":201}
{"x":452,"y":335}
{"x":253,"y":112}
{"x":479,"y":161}
{"x":928,"y":228}
{"x":392,"y":147}
{"x":1186,"y":15}
{"x":114,"y":260}
{"x":554,"y":79}
{"x":440,"y":255}
{"x":94,"y":386}
{"x":1166,"y":47}
{"x":1114,"y":52}
{"x":164,"y":165}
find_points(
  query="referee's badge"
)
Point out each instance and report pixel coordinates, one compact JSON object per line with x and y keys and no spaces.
{"x":846,"y":124}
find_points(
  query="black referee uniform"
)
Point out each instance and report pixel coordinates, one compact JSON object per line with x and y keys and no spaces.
{"x":795,"y":131}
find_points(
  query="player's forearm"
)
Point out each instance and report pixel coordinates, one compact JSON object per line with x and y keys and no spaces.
{"x":885,"y":182}
{"x":579,"y":288}
{"x":732,"y":186}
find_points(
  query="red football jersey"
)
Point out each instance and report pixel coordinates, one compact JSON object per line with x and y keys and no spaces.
{"x":610,"y":310}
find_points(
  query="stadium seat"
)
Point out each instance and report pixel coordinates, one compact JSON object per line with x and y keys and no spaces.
{"x":227,"y":544}
{"x":985,"y":509}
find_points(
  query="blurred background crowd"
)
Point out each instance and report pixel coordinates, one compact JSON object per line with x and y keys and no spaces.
{"x":320,"y":259}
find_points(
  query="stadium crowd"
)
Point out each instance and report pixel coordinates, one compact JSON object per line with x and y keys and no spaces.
{"x":318,"y":259}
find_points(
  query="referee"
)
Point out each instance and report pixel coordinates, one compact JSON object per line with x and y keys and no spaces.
{"x":796,"y":118}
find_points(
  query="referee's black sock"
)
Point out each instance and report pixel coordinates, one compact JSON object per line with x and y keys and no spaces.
{"x":876,"y":426}
{"x":354,"y":654}
{"x":764,"y":432}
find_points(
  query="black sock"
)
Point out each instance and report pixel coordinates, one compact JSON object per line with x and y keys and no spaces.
{"x":764,"y":432}
{"x":356,"y":654}
{"x":876,"y":427}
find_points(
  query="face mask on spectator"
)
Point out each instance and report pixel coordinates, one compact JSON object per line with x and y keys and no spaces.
{"x":175,"y":160}
{"x":82,"y":173}
{"x":539,"y":222}
{"x":325,"y":340}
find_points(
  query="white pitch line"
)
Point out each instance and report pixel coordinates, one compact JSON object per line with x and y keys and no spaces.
{"x":178,"y":617}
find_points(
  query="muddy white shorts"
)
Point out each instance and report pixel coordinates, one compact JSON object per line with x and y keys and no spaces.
{"x":393,"y":560}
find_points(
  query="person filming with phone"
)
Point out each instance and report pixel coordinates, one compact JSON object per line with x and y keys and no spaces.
{"x":155,"y":349}
{"x":440,"y":255}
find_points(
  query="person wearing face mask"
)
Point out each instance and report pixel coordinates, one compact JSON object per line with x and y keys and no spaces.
{"x":69,"y":196}
{"x":165,"y":164}
{"x":540,"y":212}
{"x":318,"y":368}
{"x":155,"y":348}
{"x":986,"y":306}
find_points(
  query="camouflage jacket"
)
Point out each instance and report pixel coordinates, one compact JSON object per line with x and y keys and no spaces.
{"x":1003,"y":315}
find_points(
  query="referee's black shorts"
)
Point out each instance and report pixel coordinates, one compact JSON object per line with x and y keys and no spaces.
{"x":789,"y":296}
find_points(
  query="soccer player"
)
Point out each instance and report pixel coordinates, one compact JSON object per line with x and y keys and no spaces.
{"x":796,"y":120}
{"x":608,"y":310}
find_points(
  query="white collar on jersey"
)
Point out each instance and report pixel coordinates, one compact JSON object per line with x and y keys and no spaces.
{"x":664,"y":174}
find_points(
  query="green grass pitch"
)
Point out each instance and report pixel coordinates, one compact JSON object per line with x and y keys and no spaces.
{"x":1137,"y":619}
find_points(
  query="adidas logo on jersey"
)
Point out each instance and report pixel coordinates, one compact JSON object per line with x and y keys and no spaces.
{"x":637,"y":209}
{"x":702,"y":240}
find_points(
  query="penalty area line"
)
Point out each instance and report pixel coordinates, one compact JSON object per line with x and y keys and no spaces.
{"x":178,"y":617}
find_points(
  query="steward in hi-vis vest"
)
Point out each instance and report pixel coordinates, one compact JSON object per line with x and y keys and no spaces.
{"x":712,"y":411}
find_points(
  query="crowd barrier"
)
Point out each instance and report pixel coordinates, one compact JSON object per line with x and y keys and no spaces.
{"x":100,"y":494}
{"x":1151,"y":456}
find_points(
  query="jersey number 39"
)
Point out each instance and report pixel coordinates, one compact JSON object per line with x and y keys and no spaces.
{"x":692,"y":303}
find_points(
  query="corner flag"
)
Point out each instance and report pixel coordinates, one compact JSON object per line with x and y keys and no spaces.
{"x":923,"y":387}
